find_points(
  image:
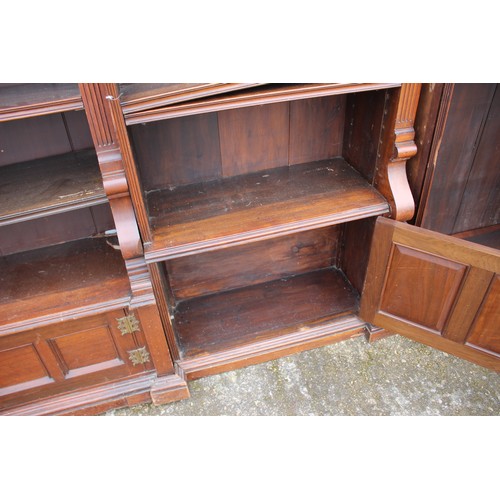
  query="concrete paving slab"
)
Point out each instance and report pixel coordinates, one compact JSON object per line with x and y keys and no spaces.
{"x":394,"y":376}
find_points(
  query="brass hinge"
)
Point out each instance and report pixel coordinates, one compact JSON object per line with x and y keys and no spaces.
{"x":138,"y":356}
{"x":128,"y":324}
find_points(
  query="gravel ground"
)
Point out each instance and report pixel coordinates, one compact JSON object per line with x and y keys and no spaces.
{"x":394,"y":376}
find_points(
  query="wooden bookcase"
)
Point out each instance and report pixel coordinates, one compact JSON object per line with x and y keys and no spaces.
{"x":79,"y":326}
{"x":221,"y":225}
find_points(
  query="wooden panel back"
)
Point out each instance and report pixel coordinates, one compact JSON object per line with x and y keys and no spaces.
{"x":453,"y":159}
{"x":316,"y":129}
{"x":29,"y":139}
{"x":480,"y":204}
{"x":363,"y":119}
{"x":209,"y":146}
{"x":176,"y":152}
{"x":39,"y":137}
{"x":254,"y":263}
{"x":253,"y":139}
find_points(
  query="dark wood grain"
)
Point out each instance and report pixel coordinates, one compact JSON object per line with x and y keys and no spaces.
{"x":33,"y":99}
{"x":78,"y":130}
{"x":364,"y":116}
{"x":410,"y":290}
{"x":480,"y":203}
{"x":253,"y":139}
{"x":176,"y":152}
{"x":258,"y":206}
{"x":51,"y":185}
{"x":47,"y":284}
{"x":316,"y":129}
{"x":251,"y":264}
{"x":222,"y":321}
{"x":453,"y":160}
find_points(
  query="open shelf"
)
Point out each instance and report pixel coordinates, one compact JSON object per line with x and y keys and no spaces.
{"x":60,"y":282}
{"x":218,"y":322}
{"x":142,"y":96}
{"x":34,"y":99}
{"x":244,"y":97}
{"x":225,"y":212}
{"x":50,"y":185}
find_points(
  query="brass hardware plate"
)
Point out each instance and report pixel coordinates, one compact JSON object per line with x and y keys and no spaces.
{"x":128,"y":324}
{"x":138,"y":356}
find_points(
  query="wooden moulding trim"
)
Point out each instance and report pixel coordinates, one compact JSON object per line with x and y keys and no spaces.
{"x":157,"y":255}
{"x":134,"y":186}
{"x":77,"y":313}
{"x":419,"y":334}
{"x":255,"y":99}
{"x":40,"y":109}
{"x":169,"y":388}
{"x":302,"y":339}
{"x":85,"y":398}
{"x":165,"y":98}
{"x":89,"y":201}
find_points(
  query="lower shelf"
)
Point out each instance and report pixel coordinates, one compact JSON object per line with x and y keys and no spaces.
{"x":233,"y":319}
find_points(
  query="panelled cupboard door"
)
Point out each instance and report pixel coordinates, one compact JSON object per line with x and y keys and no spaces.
{"x":435,"y":289}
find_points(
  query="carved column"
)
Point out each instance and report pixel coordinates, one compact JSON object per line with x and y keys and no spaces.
{"x":100,"y":104}
{"x":399,"y":136}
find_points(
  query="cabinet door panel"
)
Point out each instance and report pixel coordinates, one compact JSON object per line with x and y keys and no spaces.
{"x":435,"y":289}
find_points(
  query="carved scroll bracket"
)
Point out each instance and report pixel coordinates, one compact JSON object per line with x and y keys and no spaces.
{"x":392,"y":180}
{"x":110,"y":161}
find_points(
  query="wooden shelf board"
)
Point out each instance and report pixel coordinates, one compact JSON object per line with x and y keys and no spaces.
{"x":51,"y":185}
{"x":144,"y":96}
{"x":232,"y":319}
{"x":195,"y":218}
{"x":60,"y":282}
{"x":252,"y":97}
{"x":35,"y":99}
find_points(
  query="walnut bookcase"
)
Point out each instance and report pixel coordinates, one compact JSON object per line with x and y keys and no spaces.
{"x":79,"y":325}
{"x":156,"y":233}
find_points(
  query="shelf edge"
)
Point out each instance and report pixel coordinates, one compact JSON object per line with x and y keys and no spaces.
{"x":340,"y":328}
{"x":162,"y":254}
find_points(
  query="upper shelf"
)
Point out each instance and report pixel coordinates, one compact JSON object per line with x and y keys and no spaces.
{"x":142,"y":96}
{"x":60,"y":282}
{"x":49,"y":186}
{"x":263,"y":94}
{"x":199,"y":217}
{"x":34,"y":99}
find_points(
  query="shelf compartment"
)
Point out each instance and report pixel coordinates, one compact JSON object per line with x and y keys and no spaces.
{"x":35,"y":99}
{"x":195,"y":218}
{"x":143,"y":96}
{"x":210,"y":324}
{"x":50,"y":185}
{"x":65,"y":281}
{"x":252,"y":97}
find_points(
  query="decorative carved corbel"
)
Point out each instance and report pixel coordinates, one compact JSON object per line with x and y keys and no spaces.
{"x":391,"y":178}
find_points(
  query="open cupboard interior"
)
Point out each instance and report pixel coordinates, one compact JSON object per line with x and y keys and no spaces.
{"x":235,"y":223}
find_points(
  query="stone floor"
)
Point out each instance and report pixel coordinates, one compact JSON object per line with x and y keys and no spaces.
{"x":394,"y":376}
